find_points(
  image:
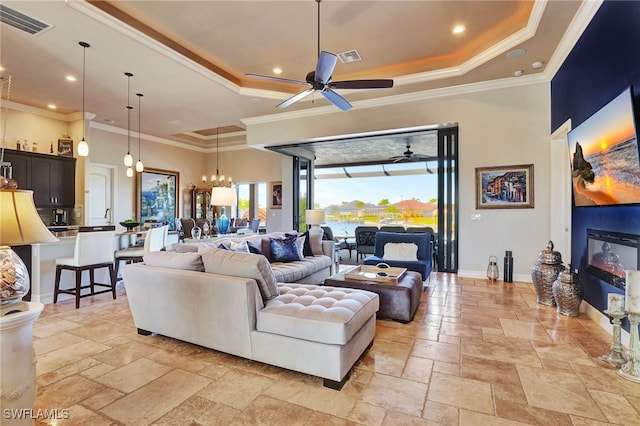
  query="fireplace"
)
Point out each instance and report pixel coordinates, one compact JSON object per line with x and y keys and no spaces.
{"x":610,"y":254}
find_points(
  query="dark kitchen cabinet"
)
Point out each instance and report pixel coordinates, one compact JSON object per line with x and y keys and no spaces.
{"x":52,"y":179}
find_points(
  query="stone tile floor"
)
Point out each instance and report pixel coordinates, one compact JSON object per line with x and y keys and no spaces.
{"x":477,"y":353}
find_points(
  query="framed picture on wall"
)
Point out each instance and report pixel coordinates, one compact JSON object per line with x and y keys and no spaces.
{"x":65,"y":147}
{"x":275,"y":200}
{"x":157,"y":196}
{"x":504,"y":187}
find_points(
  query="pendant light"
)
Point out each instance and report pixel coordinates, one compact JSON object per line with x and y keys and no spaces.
{"x":139,"y":165}
{"x":83,"y":146}
{"x":128,"y":159}
{"x":218,"y":179}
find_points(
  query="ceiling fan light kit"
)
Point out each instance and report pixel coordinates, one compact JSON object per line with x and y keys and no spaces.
{"x":320,"y":80}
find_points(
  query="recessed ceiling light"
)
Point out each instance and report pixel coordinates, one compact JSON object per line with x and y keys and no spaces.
{"x":52,"y":106}
{"x":70,"y":78}
{"x":277,"y":70}
{"x":518,"y":73}
{"x":516,"y":53}
{"x":536,"y":65}
{"x":458,"y":29}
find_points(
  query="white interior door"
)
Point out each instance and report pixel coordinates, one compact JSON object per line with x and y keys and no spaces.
{"x":100,"y":196}
{"x":560,"y":205}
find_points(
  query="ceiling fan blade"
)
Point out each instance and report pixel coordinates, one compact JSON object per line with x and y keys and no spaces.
{"x":336,"y":99}
{"x":361,"y":84}
{"x":324,"y":68}
{"x":278,"y":79}
{"x":294,"y":98}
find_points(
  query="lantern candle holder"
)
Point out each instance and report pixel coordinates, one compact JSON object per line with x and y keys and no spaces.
{"x":631,"y":370}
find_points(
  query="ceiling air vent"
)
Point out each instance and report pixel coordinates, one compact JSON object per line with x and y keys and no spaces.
{"x":21,"y":21}
{"x":349,"y":56}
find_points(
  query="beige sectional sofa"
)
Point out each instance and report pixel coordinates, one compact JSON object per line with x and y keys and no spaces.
{"x":231,"y":302}
{"x":309,"y":270}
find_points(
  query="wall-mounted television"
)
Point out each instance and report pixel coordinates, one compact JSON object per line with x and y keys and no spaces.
{"x":605,"y":168}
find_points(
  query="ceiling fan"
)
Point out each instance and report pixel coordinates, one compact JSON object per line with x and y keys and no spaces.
{"x":409,"y":155}
{"x":320,"y":80}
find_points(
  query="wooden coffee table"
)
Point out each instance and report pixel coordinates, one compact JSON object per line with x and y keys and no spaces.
{"x":398,"y":300}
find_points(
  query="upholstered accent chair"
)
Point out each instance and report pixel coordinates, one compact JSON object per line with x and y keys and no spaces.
{"x":421,"y":260}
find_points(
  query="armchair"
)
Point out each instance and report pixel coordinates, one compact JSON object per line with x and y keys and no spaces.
{"x":365,"y":240}
{"x":424,"y":262}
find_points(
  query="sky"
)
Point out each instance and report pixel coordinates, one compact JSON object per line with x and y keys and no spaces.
{"x":373,"y":189}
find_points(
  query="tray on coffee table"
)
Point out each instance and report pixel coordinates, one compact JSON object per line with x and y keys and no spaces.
{"x":374,"y":273}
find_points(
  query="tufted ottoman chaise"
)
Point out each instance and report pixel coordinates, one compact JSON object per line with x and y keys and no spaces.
{"x":326,"y":326}
{"x":317,"y":330}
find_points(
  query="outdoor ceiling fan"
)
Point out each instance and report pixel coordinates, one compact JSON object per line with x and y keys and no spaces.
{"x":409,"y":155}
{"x":320,"y":80}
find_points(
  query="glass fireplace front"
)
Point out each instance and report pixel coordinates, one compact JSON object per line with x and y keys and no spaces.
{"x":610,"y":254}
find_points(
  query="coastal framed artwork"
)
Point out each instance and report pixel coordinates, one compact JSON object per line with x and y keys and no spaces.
{"x":275,"y":200}
{"x":156,"y":196}
{"x":603,"y":149}
{"x":504,"y":187}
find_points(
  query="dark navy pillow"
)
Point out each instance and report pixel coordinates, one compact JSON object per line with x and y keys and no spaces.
{"x":223,"y":247}
{"x":254,"y":248}
{"x":306,"y":248}
{"x":284,"y":249}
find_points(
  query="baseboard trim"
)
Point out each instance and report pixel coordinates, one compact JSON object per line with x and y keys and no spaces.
{"x":482,"y":275}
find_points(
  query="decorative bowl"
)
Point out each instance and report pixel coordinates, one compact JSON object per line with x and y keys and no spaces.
{"x":130,"y":225}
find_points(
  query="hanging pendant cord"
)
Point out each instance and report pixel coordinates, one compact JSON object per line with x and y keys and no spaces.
{"x":140,"y":95}
{"x":84,"y":61}
{"x":217,"y":154}
{"x":129,"y":108}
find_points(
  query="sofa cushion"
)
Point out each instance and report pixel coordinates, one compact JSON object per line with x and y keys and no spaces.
{"x":182,"y":248}
{"x":239,"y":264}
{"x":284,"y":249}
{"x":289,"y":272}
{"x":174,"y":260}
{"x":317,"y":313}
{"x":401,"y":251}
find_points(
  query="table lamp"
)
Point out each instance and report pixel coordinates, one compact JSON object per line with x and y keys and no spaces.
{"x":315,"y":218}
{"x":19,"y":225}
{"x":223,"y":196}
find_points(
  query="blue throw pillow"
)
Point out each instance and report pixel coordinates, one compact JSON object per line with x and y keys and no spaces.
{"x":284,"y":249}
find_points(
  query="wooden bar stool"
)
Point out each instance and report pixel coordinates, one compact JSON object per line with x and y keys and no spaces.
{"x":94,"y":250}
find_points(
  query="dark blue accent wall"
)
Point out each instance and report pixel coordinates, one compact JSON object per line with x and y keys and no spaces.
{"x":603,"y":63}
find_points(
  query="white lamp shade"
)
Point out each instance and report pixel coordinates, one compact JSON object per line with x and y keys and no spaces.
{"x":315,"y":217}
{"x":83,"y":148}
{"x":223,"y":196}
{"x":19,"y":220}
{"x":139,"y":167}
{"x":129,"y":172}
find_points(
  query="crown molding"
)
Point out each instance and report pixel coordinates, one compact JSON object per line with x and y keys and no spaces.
{"x":578,"y":25}
{"x":403,"y":98}
{"x":155,"y":139}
